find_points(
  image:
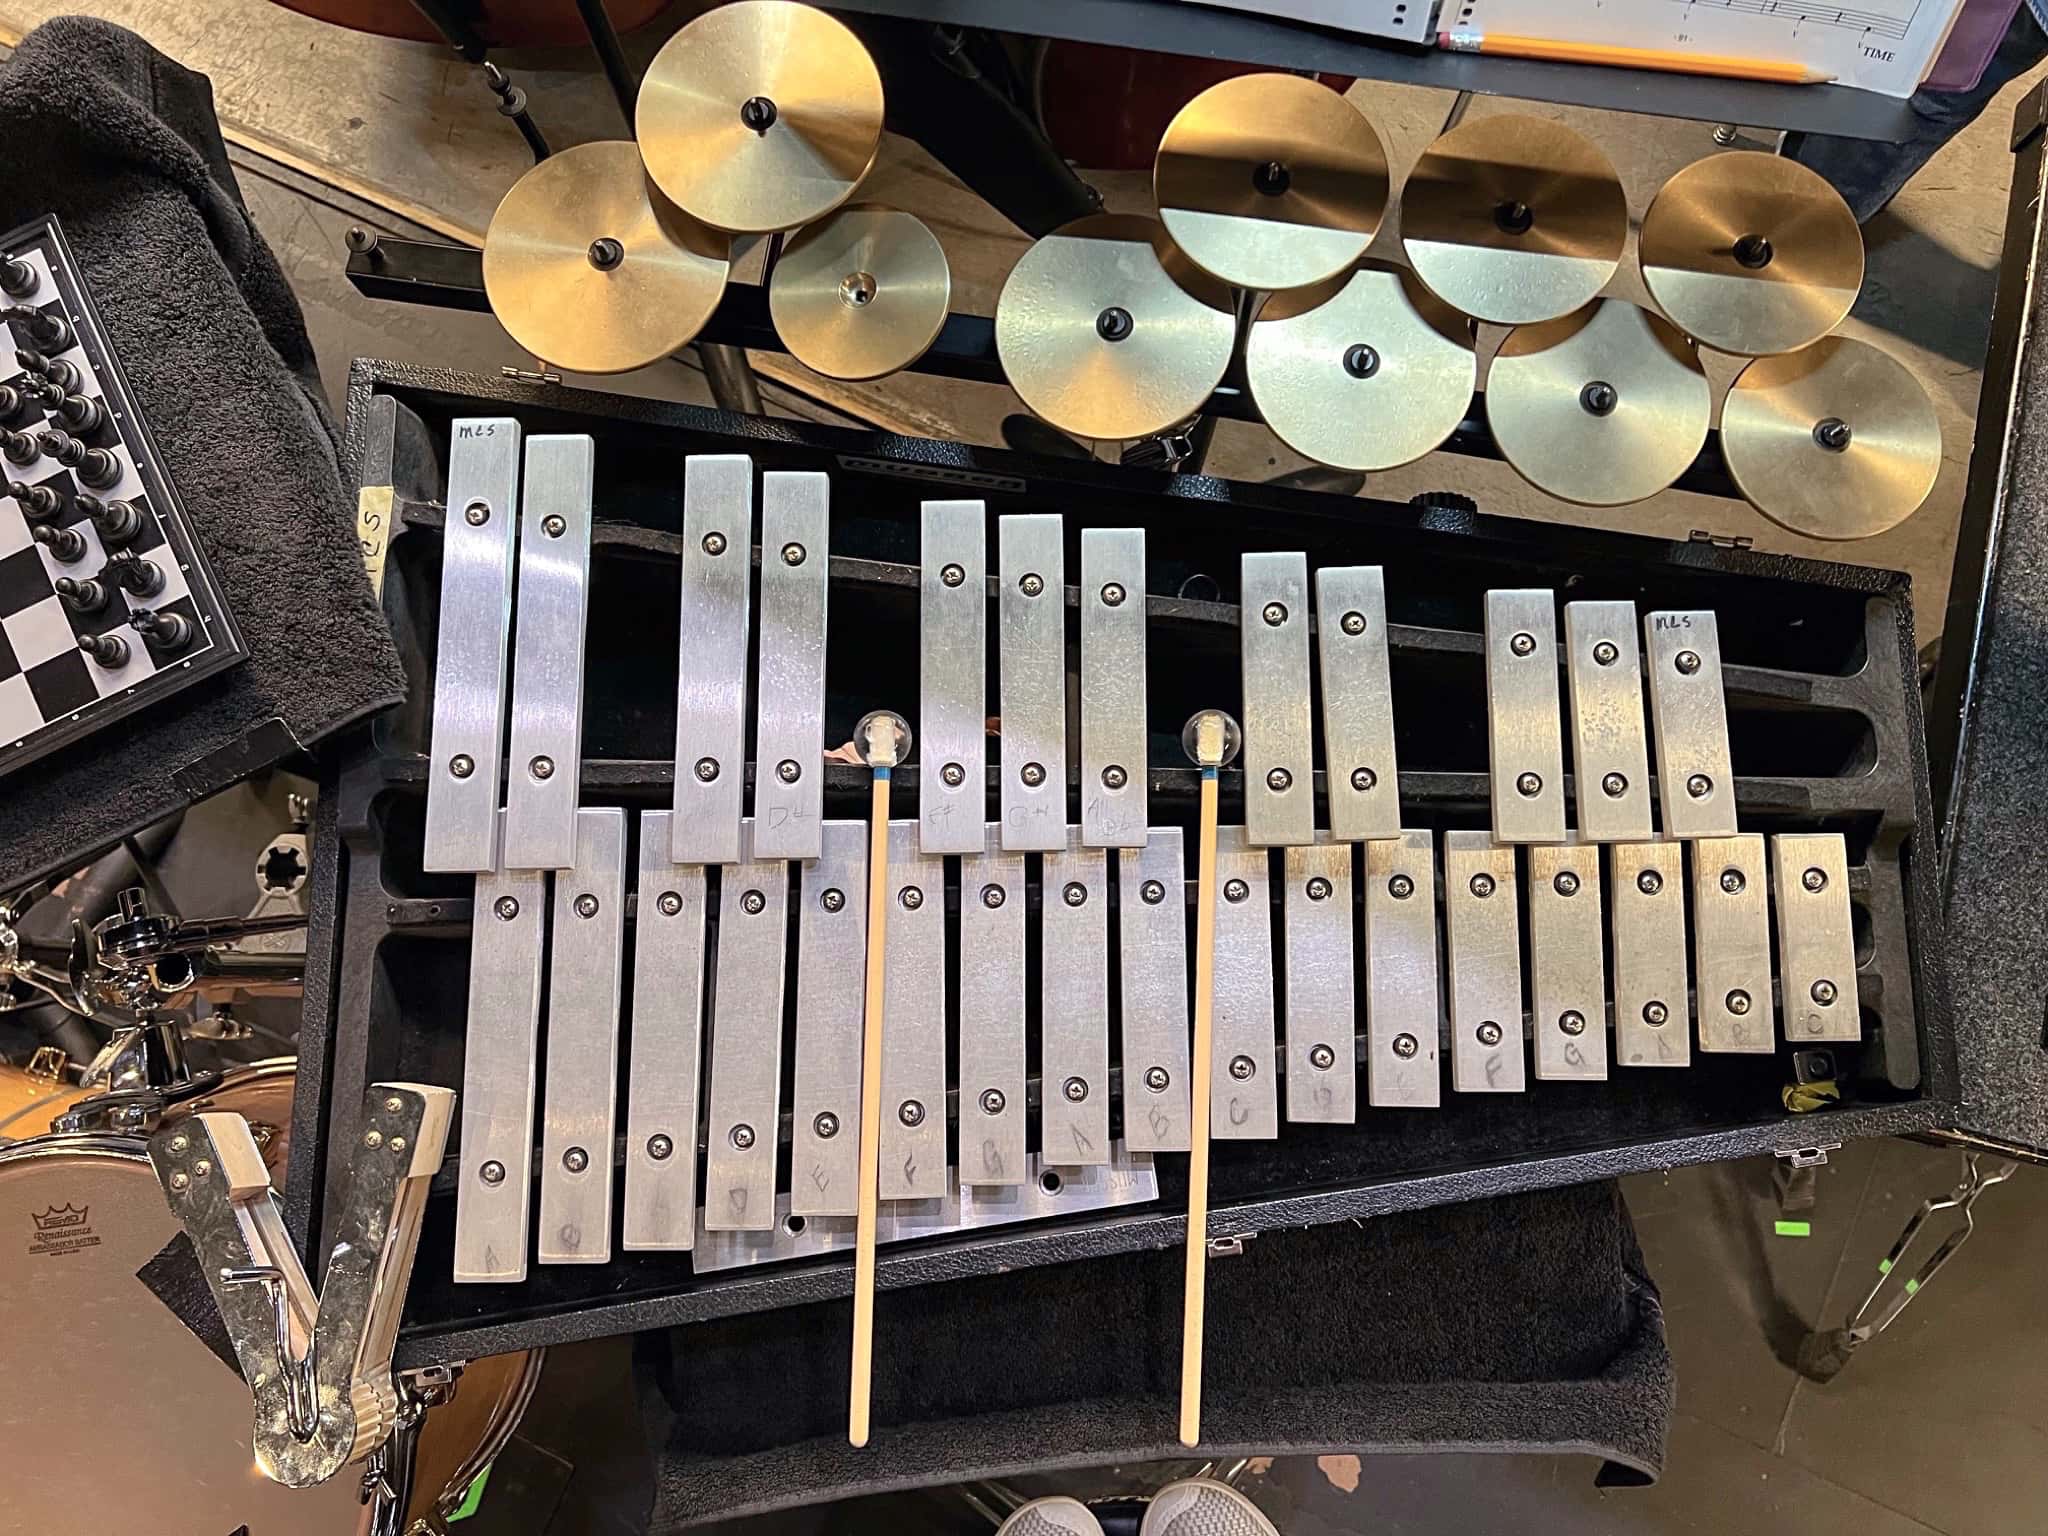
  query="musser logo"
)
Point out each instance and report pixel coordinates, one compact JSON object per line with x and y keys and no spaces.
{"x":60,"y":1218}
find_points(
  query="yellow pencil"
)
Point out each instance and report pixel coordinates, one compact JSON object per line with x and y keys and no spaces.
{"x":1782,"y":73}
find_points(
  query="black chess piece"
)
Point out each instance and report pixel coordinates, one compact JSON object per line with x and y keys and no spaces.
{"x":77,"y":413}
{"x":66,"y":545}
{"x":165,"y":633}
{"x":17,"y":278}
{"x":87,"y":596}
{"x":125,"y":568}
{"x":37,"y":502}
{"x":19,"y":447}
{"x":63,"y":374}
{"x":50,"y":333}
{"x":118,"y":521}
{"x":95,"y":467}
{"x":110,"y":650}
{"x":14,"y":403}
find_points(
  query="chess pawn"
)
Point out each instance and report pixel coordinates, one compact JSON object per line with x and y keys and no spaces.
{"x":66,"y":545}
{"x":109,"y":650}
{"x":82,"y":596}
{"x":37,"y":502}
{"x":118,"y":521}
{"x":95,"y":467}
{"x":19,"y":447}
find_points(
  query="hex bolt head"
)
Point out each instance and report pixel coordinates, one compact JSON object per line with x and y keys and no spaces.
{"x":659,"y":1147}
{"x":1157,"y":1079}
{"x":826,"y":1125}
{"x":1405,"y":1046}
{"x":1321,"y":1057}
{"x":1606,"y":653}
{"x":952,"y":575}
{"x":554,"y":525}
{"x":1075,"y":894}
{"x":1523,"y":643}
{"x":832,"y":899}
{"x":992,"y":896}
{"x":1529,"y":785}
{"x":912,"y":898}
{"x":1242,"y":1067}
{"x":1033,"y":774}
{"x":1152,"y":892}
{"x":1274,"y":614}
{"x":1318,"y":889}
{"x":1363,"y":779}
{"x":507,"y":908}
{"x":707,"y":769}
{"x":1112,"y":594}
{"x":742,"y":1136}
{"x":586,"y":905}
{"x":793,"y":553}
{"x":462,"y":765}
{"x":753,"y":903}
{"x":476,"y":514}
{"x":1488,"y":1033}
{"x":1699,"y":786}
{"x":1572,"y":1022}
{"x":992,"y":1101}
{"x":492,"y":1173}
{"x":1400,"y":887}
{"x":1482,"y":885}
{"x":1737,"y":1002}
{"x":1114,"y":777}
{"x":1687,"y":662}
{"x":1031,"y":584}
{"x":1814,"y":880}
{"x":575,"y":1159}
{"x":714,"y":543}
{"x":1614,"y":785}
{"x":1655,"y":1012}
{"x":953,"y":775}
{"x":1823,"y":992}
{"x":542,"y":767}
{"x":1565,"y":883}
{"x":1649,"y":882}
{"x":1075,"y":1089}
{"x":910,"y":1112}
{"x":789,"y":770}
{"x":1732,"y":881}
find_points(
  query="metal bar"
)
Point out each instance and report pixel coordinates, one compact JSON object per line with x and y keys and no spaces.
{"x":1695,"y":782}
{"x":831,"y":967}
{"x":1525,"y":742}
{"x":992,"y":1046}
{"x":1279,"y":777}
{"x":1483,"y":940}
{"x":1358,"y":703}
{"x":952,"y":724}
{"x":1402,"y":992}
{"x":583,"y":1045}
{"x":1322,"y":1026}
{"x":1816,"y":939}
{"x":1244,"y":1101}
{"x":1567,"y":962}
{"x":1115,"y":769}
{"x":711,"y":686}
{"x":914,"y":1023}
{"x":1152,"y":930}
{"x":665,"y":1069}
{"x":1610,"y":750}
{"x":542,"y":786}
{"x":745,"y":1097}
{"x":1031,"y":608}
{"x":789,"y":725}
{"x":1073,"y":1105}
{"x":1652,"y":997}
{"x":467,"y":754}
{"x":1732,"y":944}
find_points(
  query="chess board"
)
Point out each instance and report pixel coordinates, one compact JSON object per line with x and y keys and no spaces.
{"x":51,"y":692}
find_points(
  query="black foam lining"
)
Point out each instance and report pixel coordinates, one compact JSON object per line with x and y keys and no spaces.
{"x":122,"y":146}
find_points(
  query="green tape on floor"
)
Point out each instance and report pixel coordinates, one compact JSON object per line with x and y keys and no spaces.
{"x":1884,"y":1266}
{"x":1912,"y":1286}
{"x":1795,"y":1229}
{"x":471,"y":1498}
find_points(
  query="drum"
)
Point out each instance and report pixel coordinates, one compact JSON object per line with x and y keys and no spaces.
{"x":115,"y":1415}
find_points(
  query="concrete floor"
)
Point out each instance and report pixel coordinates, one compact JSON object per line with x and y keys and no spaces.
{"x":1939,"y":1426}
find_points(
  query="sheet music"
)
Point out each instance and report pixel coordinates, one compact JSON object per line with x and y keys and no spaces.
{"x":1886,"y":46}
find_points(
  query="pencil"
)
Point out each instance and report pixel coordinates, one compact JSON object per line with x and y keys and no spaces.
{"x":1777,"y":71}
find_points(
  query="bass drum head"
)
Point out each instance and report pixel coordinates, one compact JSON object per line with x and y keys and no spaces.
{"x":114,"y":1415}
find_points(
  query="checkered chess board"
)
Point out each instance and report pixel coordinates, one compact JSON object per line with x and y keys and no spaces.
{"x":51,"y":693}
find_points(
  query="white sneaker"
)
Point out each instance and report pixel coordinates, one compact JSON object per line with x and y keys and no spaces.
{"x":1059,"y":1516}
{"x":1196,"y":1506}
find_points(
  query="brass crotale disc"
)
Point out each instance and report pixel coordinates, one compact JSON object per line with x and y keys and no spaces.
{"x":1376,"y":373}
{"x":860,"y":293}
{"x":1514,"y":219}
{"x":590,"y":268}
{"x":1838,"y":441}
{"x":1271,"y":181}
{"x":1751,"y":253}
{"x":760,"y":115}
{"x":1105,"y":330}
{"x":1606,"y":406}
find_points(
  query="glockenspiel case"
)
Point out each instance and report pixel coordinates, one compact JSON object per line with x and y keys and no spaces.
{"x":1422,"y":1278}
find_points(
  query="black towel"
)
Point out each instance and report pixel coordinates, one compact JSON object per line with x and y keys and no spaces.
{"x":122,"y":146}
